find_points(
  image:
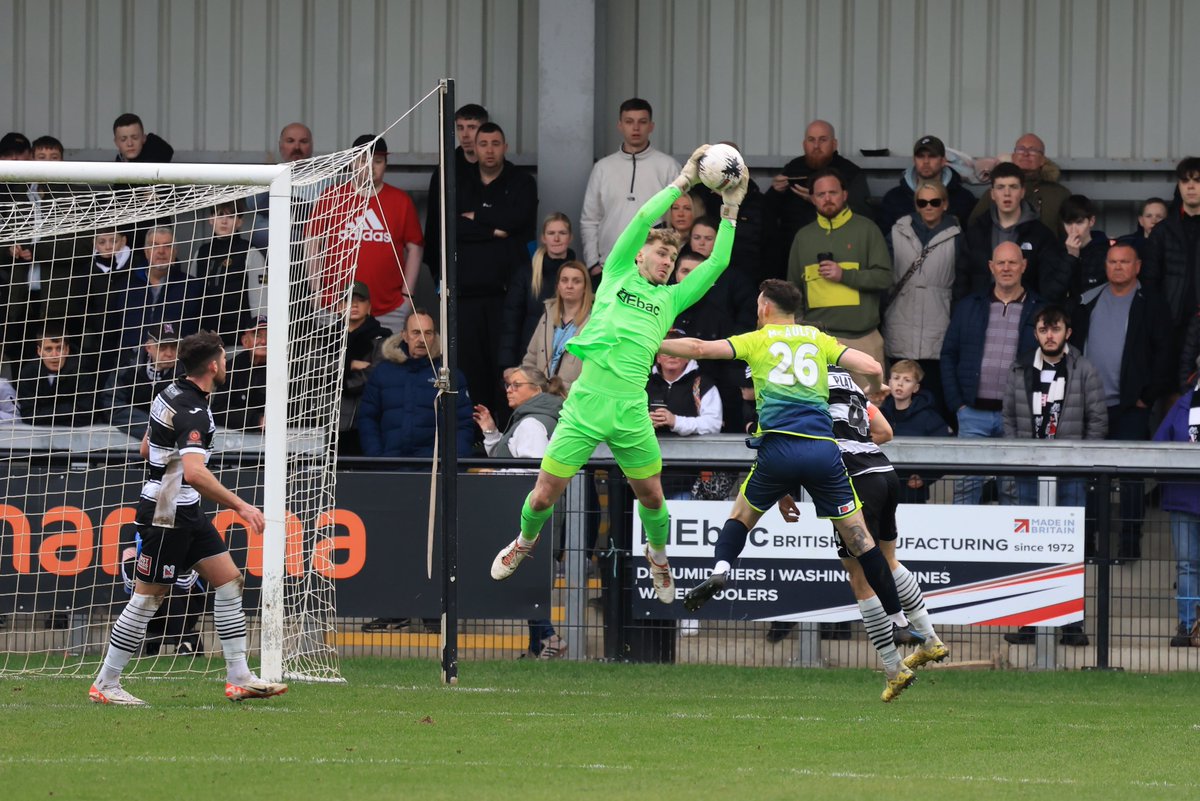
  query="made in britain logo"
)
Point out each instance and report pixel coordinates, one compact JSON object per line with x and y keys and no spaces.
{"x":1043,"y":525}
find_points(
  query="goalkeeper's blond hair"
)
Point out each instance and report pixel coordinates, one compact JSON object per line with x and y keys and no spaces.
{"x":667,"y":236}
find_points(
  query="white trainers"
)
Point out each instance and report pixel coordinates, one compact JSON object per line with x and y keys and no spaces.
{"x":664,"y":585}
{"x":253,"y":687}
{"x":510,"y":556}
{"x":115,"y":695}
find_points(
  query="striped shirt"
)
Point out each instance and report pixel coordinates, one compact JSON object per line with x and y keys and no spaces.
{"x":851,"y":426}
{"x":180,"y":422}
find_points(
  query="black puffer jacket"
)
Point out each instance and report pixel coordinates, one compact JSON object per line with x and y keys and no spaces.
{"x":1170,"y":263}
{"x":1046,"y":271}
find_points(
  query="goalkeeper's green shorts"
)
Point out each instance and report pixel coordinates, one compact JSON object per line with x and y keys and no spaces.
{"x":590,"y":417}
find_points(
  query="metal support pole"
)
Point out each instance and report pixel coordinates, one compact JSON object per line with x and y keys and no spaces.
{"x":575,"y":509}
{"x":448,"y":419}
{"x":809,"y":646}
{"x":1103,"y":569}
{"x":613,"y":579}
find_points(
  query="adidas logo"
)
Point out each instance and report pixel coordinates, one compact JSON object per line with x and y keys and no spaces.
{"x":367,"y":228}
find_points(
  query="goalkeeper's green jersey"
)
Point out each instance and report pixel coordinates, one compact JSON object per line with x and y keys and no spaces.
{"x":632,"y":316}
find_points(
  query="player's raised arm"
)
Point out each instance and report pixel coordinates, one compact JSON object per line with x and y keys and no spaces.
{"x":621,"y":257}
{"x":692,"y":348}
{"x":864,"y":365}
{"x":701,"y":279}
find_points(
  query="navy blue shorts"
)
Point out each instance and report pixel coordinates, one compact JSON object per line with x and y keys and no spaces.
{"x":785,"y":463}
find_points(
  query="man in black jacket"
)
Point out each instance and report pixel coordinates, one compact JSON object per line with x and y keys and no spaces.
{"x":131,"y":389}
{"x":929,"y":164}
{"x":242,"y":404}
{"x":497,"y":208}
{"x":1123,"y":328}
{"x":364,"y":343}
{"x":1173,"y":251}
{"x":788,"y":206}
{"x":1011,"y":219}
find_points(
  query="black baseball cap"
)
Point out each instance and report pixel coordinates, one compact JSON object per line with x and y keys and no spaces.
{"x":380,"y":148}
{"x":929,"y":144}
{"x":360,"y":290}
{"x":253,"y":322}
{"x":167,"y":332}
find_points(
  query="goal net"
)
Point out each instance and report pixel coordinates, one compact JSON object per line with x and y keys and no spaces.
{"x":105,"y":268}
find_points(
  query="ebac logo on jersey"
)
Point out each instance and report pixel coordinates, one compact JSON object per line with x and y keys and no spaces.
{"x":366,"y":228}
{"x":630,"y":299}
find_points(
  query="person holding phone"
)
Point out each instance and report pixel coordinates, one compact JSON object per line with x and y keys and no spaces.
{"x":788,"y":205}
{"x":842,"y":267}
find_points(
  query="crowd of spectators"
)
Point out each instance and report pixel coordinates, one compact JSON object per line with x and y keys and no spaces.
{"x":950,"y":289}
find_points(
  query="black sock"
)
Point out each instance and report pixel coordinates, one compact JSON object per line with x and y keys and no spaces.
{"x":731,"y":541}
{"x":875,"y":570}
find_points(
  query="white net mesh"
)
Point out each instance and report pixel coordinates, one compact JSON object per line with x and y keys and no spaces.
{"x":99,"y":284}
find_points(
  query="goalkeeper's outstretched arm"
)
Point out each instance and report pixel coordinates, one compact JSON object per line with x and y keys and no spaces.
{"x":701,"y":279}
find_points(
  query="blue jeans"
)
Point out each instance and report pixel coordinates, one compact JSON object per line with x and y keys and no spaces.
{"x":977,"y":424}
{"x":1071,"y":491}
{"x":1185,"y":537}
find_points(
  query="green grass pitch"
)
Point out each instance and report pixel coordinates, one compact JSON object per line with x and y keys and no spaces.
{"x":530,"y":730}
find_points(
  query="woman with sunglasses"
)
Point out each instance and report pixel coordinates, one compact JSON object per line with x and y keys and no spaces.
{"x":926,"y":248}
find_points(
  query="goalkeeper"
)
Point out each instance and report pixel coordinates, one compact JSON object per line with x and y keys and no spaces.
{"x":634,"y":309}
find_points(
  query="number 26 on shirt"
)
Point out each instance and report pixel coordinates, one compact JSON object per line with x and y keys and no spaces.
{"x":793,"y":366}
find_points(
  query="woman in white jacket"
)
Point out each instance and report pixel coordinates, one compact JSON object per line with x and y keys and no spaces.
{"x":926,"y":249}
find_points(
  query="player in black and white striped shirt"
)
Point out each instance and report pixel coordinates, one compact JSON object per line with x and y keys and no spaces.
{"x":175,"y":533}
{"x":859,"y":427}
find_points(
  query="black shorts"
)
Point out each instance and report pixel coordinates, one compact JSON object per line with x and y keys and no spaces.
{"x":166,"y":553}
{"x":879,"y":494}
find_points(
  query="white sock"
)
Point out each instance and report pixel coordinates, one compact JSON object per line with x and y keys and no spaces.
{"x":722,"y":567}
{"x":127,"y":636}
{"x":899,"y":619}
{"x":230,"y":621}
{"x":913,"y":602}
{"x":659,"y":555}
{"x":879,"y":630}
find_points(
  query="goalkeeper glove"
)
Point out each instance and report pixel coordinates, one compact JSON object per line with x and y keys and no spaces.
{"x":689,"y":176}
{"x":733,"y":196}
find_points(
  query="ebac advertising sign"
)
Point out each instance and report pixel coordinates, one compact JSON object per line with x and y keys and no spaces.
{"x":981,"y":565}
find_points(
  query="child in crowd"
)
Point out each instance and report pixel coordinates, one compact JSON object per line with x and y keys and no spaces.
{"x":912,"y":414}
{"x":1087,"y":249}
{"x":1154,"y":211}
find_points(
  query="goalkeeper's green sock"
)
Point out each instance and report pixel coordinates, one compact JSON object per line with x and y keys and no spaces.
{"x":533,"y":520}
{"x":657,"y":523}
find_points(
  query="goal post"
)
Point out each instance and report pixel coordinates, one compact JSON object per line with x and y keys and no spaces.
{"x":52,"y":217}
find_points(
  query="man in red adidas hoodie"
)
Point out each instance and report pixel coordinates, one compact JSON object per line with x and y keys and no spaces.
{"x":388,"y":235}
